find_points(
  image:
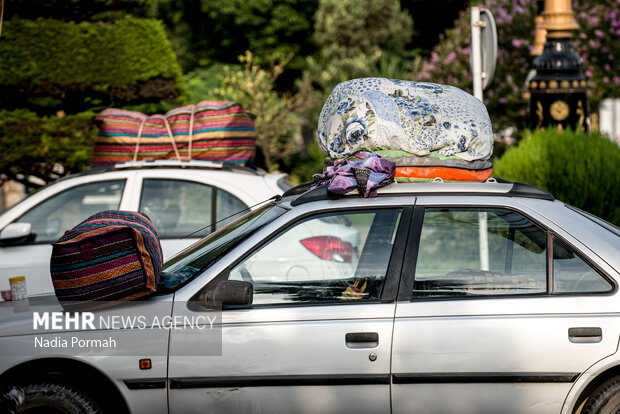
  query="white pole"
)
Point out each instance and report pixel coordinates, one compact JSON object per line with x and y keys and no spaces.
{"x":476,"y":51}
{"x":484,"y":240}
{"x":476,"y":58}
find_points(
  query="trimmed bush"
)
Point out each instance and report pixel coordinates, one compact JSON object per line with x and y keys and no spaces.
{"x":75,"y":66}
{"x":578,"y":168}
{"x":33,"y":145}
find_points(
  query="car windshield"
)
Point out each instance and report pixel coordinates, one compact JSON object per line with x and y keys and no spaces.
{"x":198,"y":257}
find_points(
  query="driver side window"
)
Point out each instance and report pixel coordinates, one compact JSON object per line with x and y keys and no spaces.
{"x":335,"y":257}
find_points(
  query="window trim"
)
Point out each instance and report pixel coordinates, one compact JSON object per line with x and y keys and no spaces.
{"x":405,"y":293}
{"x":394,"y":269}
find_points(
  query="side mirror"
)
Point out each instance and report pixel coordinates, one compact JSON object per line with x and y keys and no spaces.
{"x":15,"y":233}
{"x":229,"y":293}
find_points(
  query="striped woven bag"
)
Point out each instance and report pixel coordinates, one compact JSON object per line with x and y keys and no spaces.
{"x":211,"y":130}
{"x":111,"y":256}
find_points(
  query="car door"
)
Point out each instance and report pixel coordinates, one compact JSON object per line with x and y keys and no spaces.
{"x":60,"y":208}
{"x":498,"y":311}
{"x":317,"y":337}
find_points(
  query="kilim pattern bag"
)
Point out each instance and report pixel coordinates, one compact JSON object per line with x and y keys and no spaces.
{"x":111,"y":256}
{"x":212,"y":130}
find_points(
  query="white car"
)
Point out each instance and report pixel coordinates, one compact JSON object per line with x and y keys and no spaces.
{"x":184,"y":202}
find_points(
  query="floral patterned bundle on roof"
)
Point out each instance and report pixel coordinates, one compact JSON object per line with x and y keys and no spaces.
{"x":428,"y":130}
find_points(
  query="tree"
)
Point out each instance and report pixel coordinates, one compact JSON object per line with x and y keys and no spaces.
{"x":277,"y":119}
{"x":576,"y":167}
{"x":354,"y":36}
{"x":204,"y":32}
{"x":61,"y":61}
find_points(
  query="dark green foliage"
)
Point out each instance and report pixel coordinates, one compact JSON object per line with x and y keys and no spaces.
{"x":202,"y":83}
{"x":359,"y":38}
{"x":76,"y":66}
{"x":73,"y":10}
{"x":350,"y":28}
{"x":578,"y":168}
{"x":204,"y":32}
{"x":429,"y":24}
{"x":304,"y":166}
{"x":33,"y":145}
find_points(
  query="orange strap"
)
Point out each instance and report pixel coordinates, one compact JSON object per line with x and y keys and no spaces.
{"x":446,"y":173}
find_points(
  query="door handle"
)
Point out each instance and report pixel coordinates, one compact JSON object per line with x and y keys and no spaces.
{"x":362,"y":340}
{"x":585,"y":335}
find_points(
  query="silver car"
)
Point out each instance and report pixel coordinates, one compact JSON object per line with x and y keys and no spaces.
{"x":465,"y":298}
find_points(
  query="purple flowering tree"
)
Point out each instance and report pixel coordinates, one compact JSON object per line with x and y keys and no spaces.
{"x":598,"y":42}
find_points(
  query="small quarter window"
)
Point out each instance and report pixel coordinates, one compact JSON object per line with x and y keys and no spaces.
{"x":571,"y":274}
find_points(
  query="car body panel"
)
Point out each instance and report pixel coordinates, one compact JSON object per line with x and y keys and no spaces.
{"x":120,"y":363}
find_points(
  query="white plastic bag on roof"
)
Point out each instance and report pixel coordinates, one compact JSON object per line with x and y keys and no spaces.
{"x":418,"y":117}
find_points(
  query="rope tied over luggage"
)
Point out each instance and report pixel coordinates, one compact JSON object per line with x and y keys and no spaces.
{"x":174,"y":145}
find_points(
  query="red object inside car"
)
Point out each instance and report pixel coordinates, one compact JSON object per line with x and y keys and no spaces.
{"x":329,"y":248}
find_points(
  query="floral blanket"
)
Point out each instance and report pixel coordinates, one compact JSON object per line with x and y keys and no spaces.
{"x":373,"y":114}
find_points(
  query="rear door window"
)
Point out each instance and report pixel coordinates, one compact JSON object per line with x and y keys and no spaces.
{"x":466,"y":252}
{"x":181,"y":208}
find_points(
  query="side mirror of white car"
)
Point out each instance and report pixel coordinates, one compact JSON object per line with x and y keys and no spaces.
{"x":15,"y":233}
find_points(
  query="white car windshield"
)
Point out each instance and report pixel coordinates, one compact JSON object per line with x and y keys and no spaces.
{"x":198,"y":257}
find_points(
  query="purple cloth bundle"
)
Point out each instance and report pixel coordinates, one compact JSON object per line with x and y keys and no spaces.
{"x":366,"y":174}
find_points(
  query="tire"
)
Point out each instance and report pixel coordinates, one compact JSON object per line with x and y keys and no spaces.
{"x":58,"y":399}
{"x":605,"y":399}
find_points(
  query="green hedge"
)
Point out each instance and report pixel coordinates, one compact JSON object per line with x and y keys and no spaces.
{"x":33,"y":145}
{"x":88,"y":64}
{"x":578,"y":168}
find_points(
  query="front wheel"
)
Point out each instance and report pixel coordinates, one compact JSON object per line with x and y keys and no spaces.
{"x":605,"y":399}
{"x":53,"y":398}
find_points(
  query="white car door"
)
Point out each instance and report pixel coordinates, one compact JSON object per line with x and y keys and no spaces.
{"x":316,"y":344}
{"x":496,"y":313}
{"x":51,"y":212}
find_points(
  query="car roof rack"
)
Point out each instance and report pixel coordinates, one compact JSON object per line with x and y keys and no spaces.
{"x":144,"y":164}
{"x":491,"y":187}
